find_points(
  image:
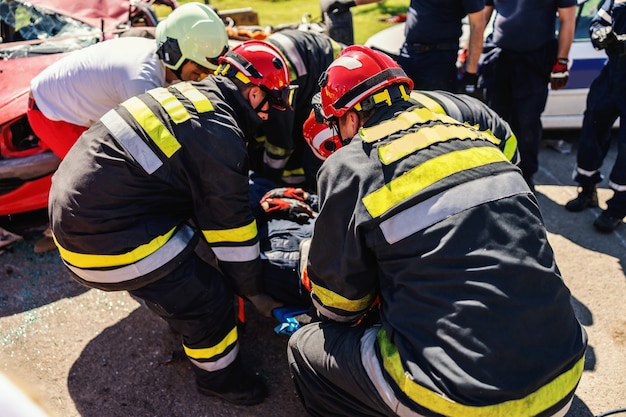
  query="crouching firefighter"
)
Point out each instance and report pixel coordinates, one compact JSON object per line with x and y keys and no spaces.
{"x":424,"y":216}
{"x":151,"y":177}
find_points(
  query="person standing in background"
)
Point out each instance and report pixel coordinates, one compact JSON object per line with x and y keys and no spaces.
{"x":606,"y":101}
{"x":517,"y":72}
{"x":338,"y":18}
{"x":432,"y":32}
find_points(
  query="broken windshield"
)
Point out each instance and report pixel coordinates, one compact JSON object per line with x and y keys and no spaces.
{"x":28,"y":30}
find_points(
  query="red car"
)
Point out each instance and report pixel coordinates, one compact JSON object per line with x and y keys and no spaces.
{"x":33,"y":35}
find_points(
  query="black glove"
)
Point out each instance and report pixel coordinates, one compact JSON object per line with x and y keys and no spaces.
{"x":336,"y":6}
{"x":468,"y":83}
{"x":559,"y":74}
{"x":602,"y":37}
{"x":287,"y":208}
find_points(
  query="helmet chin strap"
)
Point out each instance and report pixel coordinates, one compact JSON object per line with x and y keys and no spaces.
{"x":261,"y":104}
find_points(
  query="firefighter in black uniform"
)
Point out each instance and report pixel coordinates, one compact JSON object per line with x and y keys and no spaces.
{"x":425,"y":217}
{"x":606,"y":102}
{"x":280,"y":153}
{"x":154,"y":175}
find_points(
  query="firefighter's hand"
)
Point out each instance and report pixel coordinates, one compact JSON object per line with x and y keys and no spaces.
{"x":287,"y":208}
{"x":559,"y":74}
{"x":336,"y":6}
{"x":468,"y":84}
{"x":264,"y":304}
{"x":287,"y":192}
{"x":602,"y":37}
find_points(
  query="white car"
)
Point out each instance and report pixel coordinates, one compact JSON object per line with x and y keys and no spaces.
{"x":565,"y":107}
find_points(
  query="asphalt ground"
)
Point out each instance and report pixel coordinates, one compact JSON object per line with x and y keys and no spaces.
{"x":91,"y":353}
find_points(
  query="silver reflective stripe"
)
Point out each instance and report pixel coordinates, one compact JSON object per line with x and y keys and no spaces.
{"x":451,"y":202}
{"x":292,"y":53}
{"x":617,"y":187}
{"x":374,"y":371}
{"x":131,"y":141}
{"x":221,"y":363}
{"x":150,"y":263}
{"x":333,"y":316}
{"x":237,"y":253}
{"x":276,"y":163}
{"x":583,"y":172}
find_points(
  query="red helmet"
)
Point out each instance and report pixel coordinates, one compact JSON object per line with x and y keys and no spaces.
{"x":355,"y":75}
{"x":322,"y":138}
{"x":261,"y":64}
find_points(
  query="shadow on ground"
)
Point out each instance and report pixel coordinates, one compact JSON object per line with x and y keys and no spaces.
{"x":137,"y":368}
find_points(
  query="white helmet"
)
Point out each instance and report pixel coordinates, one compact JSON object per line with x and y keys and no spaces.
{"x":192,"y":32}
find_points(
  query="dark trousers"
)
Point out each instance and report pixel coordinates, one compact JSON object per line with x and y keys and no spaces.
{"x":326,"y":367}
{"x":196,"y":303}
{"x":431,"y":70}
{"x":516,"y":87}
{"x":606,"y":102}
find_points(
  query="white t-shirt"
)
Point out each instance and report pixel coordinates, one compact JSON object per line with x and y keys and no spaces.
{"x":81,"y":87}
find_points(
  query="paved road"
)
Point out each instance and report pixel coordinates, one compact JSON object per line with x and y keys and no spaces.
{"x":95,"y":354}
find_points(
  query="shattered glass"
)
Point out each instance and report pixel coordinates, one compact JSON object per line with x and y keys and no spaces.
{"x":29,"y":30}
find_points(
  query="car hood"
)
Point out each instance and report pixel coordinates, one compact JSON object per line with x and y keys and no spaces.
{"x":15,"y":76}
{"x":93,"y":12}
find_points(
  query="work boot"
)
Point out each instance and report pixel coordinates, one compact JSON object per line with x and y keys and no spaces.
{"x":587,"y":197}
{"x":249,"y":389}
{"x":606,"y":223}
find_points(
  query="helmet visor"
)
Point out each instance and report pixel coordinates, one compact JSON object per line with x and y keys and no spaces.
{"x":215,"y":60}
{"x":280,"y":99}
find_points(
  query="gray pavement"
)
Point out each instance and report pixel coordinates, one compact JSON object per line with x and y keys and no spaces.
{"x":91,"y":353}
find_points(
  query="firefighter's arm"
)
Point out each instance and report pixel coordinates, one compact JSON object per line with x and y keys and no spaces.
{"x":601,"y":29}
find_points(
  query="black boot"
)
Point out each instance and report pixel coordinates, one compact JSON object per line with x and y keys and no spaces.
{"x":606,"y":223}
{"x":234,"y":384}
{"x":587,"y":197}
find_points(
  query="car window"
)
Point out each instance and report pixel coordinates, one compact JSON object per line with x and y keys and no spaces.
{"x":38,"y":31}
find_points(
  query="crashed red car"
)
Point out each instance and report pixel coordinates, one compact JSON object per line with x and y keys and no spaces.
{"x":33,"y":35}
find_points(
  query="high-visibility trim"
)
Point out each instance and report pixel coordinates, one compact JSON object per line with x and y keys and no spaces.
{"x":199,"y":100}
{"x":402,"y":122}
{"x":326,"y":312}
{"x":84,"y":260}
{"x":274,"y":163}
{"x":237,"y":234}
{"x":288,"y":47}
{"x":205,"y":354}
{"x":131,"y":141}
{"x":426,"y":174}
{"x":150,"y":263}
{"x":584,"y":172}
{"x":237,"y":253}
{"x":332,"y":299}
{"x":510,"y":147}
{"x":450,"y":106}
{"x":174,"y":108}
{"x":151,"y":124}
{"x":427,"y":102}
{"x":293,"y":172}
{"x":617,"y":187}
{"x":276,"y":150}
{"x":426,"y":136}
{"x":450,"y":202}
{"x":533,"y":404}
{"x":221,"y":363}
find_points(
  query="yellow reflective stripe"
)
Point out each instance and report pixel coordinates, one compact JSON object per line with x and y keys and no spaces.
{"x":293,"y":172}
{"x":426,"y":174}
{"x":213,"y":351}
{"x":83,"y":260}
{"x":426,"y":136}
{"x":332,"y":299}
{"x":533,"y":404}
{"x":510,"y":147}
{"x":170,"y":103}
{"x":276,"y":150}
{"x":428,"y":102}
{"x":402,"y":122}
{"x":199,"y":100}
{"x":238,"y":234}
{"x":157,"y":131}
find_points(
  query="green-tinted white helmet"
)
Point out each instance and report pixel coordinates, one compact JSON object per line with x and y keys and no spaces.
{"x":192,"y":32}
